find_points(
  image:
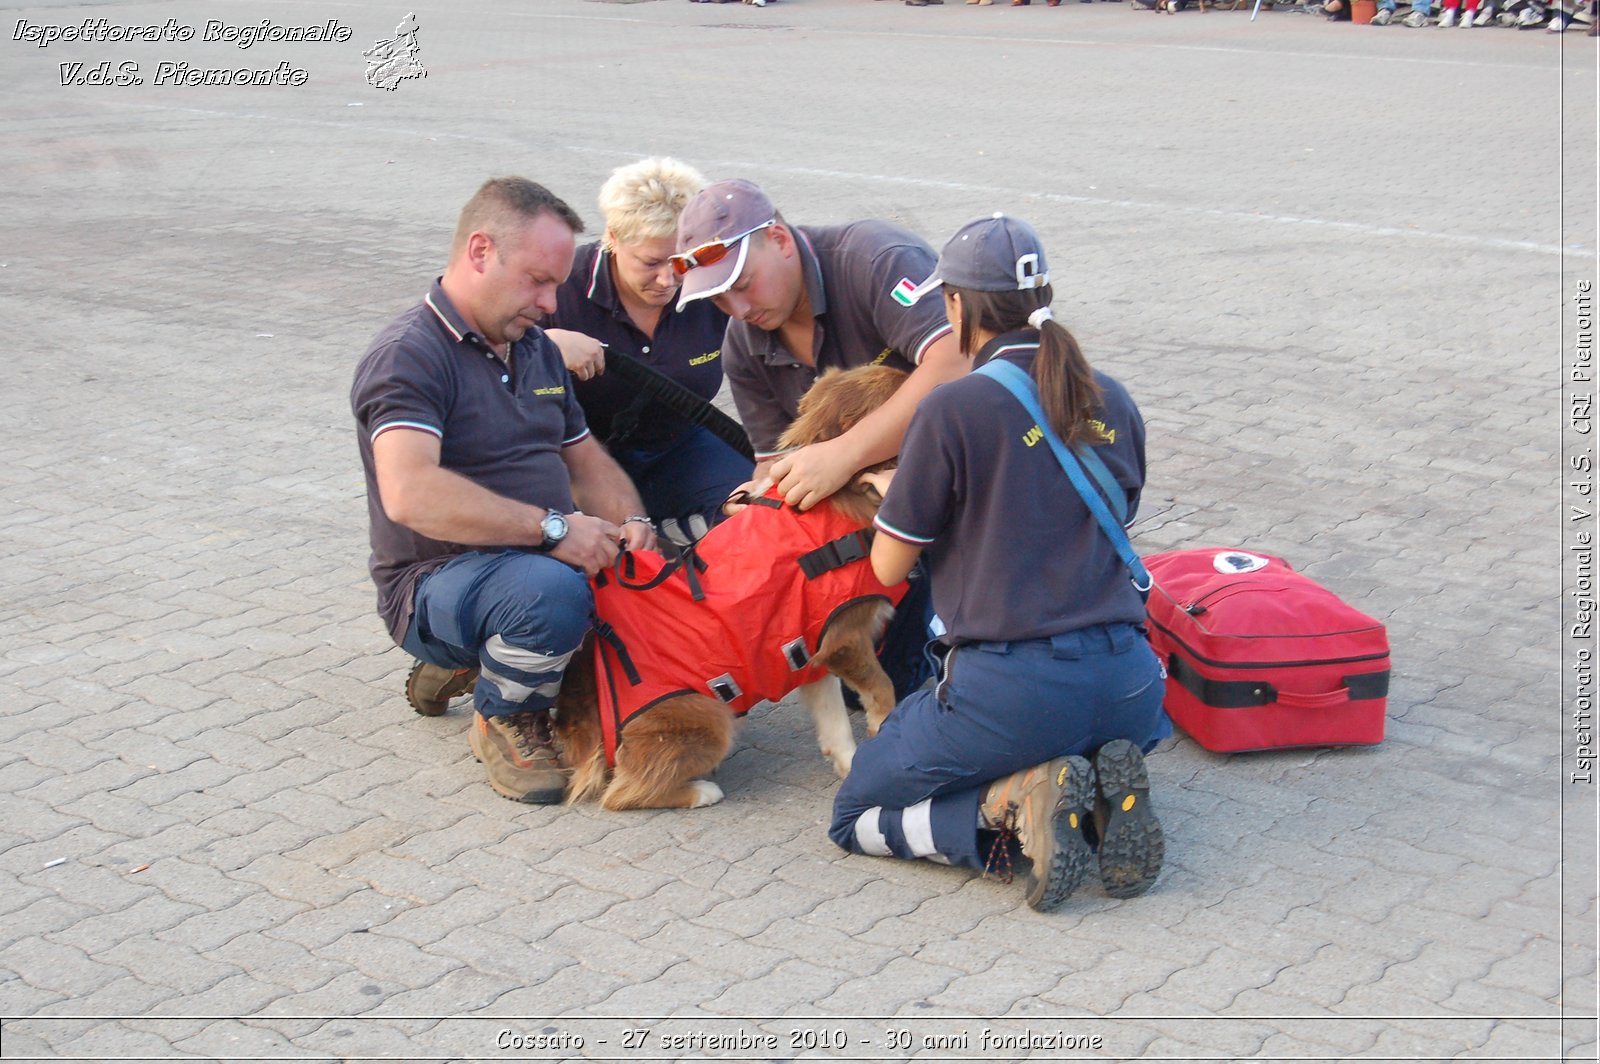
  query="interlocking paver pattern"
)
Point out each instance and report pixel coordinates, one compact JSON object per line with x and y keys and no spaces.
{"x":1331,"y":264}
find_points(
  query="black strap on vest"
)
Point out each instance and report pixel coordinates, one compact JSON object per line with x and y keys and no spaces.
{"x":609,"y":634}
{"x":678,"y":399}
{"x":687,"y":560}
{"x":744,"y":498}
{"x":836,"y":554}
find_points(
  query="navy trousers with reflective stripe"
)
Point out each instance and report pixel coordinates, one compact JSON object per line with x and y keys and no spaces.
{"x":515,"y":616}
{"x":914,"y":789}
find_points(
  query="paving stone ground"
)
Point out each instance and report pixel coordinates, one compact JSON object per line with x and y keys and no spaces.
{"x":1332,"y":263}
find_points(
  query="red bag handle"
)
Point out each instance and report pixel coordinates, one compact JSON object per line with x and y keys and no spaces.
{"x":1326,"y":700}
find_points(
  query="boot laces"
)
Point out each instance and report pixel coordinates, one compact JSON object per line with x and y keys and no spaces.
{"x":998,"y":863}
{"x":532,"y":733}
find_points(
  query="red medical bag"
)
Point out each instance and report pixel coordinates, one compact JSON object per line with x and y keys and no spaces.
{"x":1259,"y":656}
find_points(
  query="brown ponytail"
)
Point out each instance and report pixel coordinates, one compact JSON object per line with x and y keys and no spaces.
{"x":1068,"y":392}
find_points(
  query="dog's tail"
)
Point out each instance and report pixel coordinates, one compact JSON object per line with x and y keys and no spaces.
{"x":589,"y":775}
{"x":578,"y":729}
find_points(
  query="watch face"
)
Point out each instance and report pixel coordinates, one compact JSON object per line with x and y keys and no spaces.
{"x":554,"y":527}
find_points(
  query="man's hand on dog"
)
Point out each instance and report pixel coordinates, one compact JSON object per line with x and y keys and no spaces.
{"x":811,"y":474}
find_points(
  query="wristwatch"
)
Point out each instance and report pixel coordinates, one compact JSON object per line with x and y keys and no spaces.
{"x":554,"y":527}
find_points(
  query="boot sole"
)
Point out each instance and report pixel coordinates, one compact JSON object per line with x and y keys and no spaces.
{"x":547,"y":796}
{"x":1070,"y":862}
{"x":436,"y":706}
{"x":1131,"y":845}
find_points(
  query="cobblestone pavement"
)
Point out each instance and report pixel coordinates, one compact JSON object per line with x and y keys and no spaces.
{"x":1331,"y":262}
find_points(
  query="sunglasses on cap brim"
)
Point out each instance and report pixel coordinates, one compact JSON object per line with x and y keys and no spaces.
{"x":710,"y":254}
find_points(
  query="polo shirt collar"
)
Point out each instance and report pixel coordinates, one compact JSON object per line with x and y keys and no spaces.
{"x":1015,"y":342}
{"x":602,"y":291}
{"x":449,"y":317}
{"x":812,"y":270}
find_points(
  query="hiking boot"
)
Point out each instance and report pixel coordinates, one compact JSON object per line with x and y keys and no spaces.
{"x":429,"y":688}
{"x":519,"y":753}
{"x":1131,"y":843}
{"x":1044,"y":809}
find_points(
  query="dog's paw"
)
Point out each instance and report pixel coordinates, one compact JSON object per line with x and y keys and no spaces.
{"x":842,"y":761}
{"x":705,"y":793}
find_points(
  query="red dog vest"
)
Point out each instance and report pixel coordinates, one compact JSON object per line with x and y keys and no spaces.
{"x":738,"y":618}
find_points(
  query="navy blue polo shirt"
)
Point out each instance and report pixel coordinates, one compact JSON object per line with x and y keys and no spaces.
{"x":857,"y":276}
{"x":501,"y":426}
{"x":1013,"y":552}
{"x":687,"y":347}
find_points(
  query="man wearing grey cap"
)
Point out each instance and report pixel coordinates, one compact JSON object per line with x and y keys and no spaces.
{"x":804,"y":299}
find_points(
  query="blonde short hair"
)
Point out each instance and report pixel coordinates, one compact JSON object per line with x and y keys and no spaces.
{"x":642,"y":201}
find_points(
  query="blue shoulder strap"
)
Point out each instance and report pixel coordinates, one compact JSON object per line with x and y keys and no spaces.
{"x":1020,"y":385}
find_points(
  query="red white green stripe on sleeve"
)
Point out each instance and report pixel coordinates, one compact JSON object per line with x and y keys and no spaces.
{"x":901,"y":534}
{"x":922,"y":348}
{"x":579,"y":438}
{"x":418,"y":426}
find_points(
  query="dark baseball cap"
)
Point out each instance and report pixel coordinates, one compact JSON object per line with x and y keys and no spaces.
{"x":714,"y":236}
{"x":993,"y":254}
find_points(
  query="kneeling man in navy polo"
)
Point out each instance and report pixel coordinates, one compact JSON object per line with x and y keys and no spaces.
{"x":476,"y":456}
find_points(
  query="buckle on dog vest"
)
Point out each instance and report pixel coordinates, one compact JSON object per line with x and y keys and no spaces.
{"x":836,"y":554}
{"x":794,"y":651}
{"x":608,"y":634}
{"x":724,"y":687}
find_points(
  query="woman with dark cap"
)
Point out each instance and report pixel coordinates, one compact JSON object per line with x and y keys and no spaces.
{"x":1048,"y":693}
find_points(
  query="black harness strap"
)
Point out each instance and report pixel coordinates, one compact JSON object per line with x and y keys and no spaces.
{"x":745,"y":498}
{"x":678,"y":399}
{"x":609,"y":634}
{"x":836,"y":554}
{"x":687,"y":560}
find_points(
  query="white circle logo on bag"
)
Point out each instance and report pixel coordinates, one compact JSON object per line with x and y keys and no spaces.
{"x":1237,"y":561}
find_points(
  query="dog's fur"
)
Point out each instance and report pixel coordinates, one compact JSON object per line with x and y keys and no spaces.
{"x":664,"y":749}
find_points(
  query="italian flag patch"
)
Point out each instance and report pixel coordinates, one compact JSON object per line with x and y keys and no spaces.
{"x":901,"y":293}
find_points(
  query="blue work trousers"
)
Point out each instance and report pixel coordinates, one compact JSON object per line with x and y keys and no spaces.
{"x":516,"y":616}
{"x":914,"y":789}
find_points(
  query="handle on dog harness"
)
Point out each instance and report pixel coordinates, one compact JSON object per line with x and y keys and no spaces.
{"x":837,"y":553}
{"x":687,"y":560}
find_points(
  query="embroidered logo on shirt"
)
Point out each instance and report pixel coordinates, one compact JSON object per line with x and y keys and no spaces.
{"x":553,"y":390}
{"x":1032,"y":436}
{"x":709,"y":356}
{"x":901,"y":293}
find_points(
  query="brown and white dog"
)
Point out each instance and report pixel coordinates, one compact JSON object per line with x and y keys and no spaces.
{"x":661,"y":750}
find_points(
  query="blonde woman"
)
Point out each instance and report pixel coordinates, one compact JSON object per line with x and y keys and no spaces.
{"x":621,"y":294}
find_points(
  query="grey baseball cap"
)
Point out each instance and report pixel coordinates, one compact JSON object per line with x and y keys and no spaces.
{"x":720,"y":212}
{"x":993,"y":254}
